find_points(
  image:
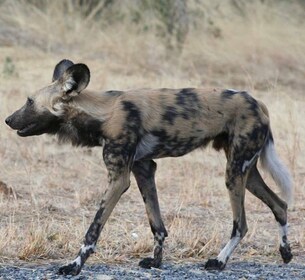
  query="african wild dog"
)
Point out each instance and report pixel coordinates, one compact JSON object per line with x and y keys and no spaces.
{"x":138,"y":126}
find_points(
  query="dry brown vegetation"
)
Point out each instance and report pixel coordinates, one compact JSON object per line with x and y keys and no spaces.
{"x":53,"y":191}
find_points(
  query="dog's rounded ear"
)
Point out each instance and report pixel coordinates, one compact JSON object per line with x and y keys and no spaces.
{"x":60,"y":69}
{"x":75,"y":79}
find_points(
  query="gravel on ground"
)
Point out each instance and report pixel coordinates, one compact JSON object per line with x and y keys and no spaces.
{"x":190,"y":271}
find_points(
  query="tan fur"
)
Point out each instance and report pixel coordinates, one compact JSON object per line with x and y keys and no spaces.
{"x":107,"y":108}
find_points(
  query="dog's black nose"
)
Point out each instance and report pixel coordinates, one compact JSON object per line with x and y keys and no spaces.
{"x":8,"y":120}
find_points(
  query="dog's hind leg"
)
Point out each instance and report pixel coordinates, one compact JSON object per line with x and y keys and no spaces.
{"x":257,"y":187}
{"x":144,"y":172}
{"x":241,"y":154}
{"x":235,"y":182}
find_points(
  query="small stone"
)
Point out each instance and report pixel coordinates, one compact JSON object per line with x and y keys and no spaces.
{"x":104,"y":277}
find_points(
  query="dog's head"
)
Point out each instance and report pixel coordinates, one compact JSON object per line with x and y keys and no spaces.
{"x":43,"y":110}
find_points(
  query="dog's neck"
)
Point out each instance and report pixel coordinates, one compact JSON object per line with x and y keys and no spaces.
{"x":81,"y":129}
{"x":83,"y":117}
{"x":99,"y":105}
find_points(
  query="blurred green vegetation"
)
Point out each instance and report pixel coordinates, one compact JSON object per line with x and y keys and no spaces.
{"x":9,"y":67}
{"x":170,"y":20}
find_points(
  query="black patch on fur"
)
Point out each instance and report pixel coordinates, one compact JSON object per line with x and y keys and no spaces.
{"x":89,"y":131}
{"x":246,"y":148}
{"x":81,"y":130}
{"x":174,"y":145}
{"x":119,"y":152}
{"x":133,"y":120}
{"x":253,"y":105}
{"x":221,"y":141}
{"x":114,"y":93}
{"x":187,"y":97}
{"x":235,"y":229}
{"x":228,"y":94}
{"x":53,"y":123}
{"x":259,"y":133}
{"x":170,"y":114}
{"x":188,"y":104}
{"x":95,"y":228}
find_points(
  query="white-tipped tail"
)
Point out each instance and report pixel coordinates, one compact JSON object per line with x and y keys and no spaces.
{"x":279,"y":172}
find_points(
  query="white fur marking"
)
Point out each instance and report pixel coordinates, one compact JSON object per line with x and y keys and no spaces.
{"x":57,"y":109}
{"x":146,"y":146}
{"x":69,"y":84}
{"x":78,"y":261}
{"x":228,"y":249}
{"x":86,"y":248}
{"x":283,"y":232}
{"x":248,"y":163}
{"x":159,"y":237}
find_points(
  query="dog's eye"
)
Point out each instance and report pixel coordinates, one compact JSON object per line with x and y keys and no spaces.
{"x":30,"y":101}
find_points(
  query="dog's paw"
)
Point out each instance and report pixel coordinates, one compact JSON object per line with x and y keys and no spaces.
{"x":286,"y":253}
{"x":149,"y":263}
{"x":214,"y":264}
{"x":70,"y":269}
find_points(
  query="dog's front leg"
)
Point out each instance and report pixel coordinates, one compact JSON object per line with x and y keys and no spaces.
{"x":118,"y":184}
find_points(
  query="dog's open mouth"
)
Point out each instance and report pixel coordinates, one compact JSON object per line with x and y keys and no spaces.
{"x":26,"y":130}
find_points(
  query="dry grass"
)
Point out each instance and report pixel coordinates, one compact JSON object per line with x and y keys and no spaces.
{"x":55,"y":190}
